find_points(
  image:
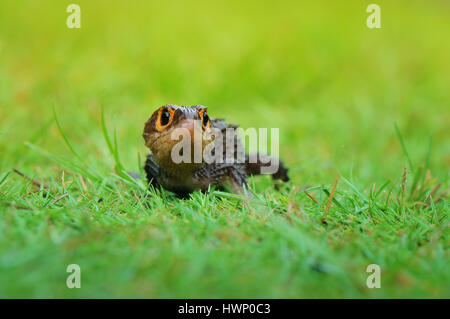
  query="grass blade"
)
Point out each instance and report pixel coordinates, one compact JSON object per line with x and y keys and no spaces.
{"x":400,"y":137}
{"x":66,"y":140}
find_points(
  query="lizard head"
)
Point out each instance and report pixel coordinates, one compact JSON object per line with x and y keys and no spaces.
{"x":169,"y":124}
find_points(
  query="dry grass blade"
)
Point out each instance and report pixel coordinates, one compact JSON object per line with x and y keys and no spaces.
{"x":83,"y":183}
{"x":436,"y":188}
{"x":34,"y":181}
{"x":402,"y":201}
{"x":441,"y":196}
{"x":57,"y":199}
{"x":430,"y":197}
{"x":312,"y":198}
{"x":16,"y":206}
{"x":331,"y":195}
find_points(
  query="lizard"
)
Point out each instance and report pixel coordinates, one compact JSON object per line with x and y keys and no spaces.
{"x":182,"y":178}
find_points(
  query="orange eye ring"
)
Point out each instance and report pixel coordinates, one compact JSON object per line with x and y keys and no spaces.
{"x":164,"y":119}
{"x":206,"y":122}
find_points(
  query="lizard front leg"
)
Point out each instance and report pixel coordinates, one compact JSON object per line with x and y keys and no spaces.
{"x":152,"y":171}
{"x":219,"y":174}
{"x":238,"y":181}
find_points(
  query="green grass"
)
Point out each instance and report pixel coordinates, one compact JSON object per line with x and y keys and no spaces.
{"x":369,"y":107}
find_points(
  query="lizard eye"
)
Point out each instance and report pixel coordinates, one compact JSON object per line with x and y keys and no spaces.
{"x":205,"y":119}
{"x":165,"y":117}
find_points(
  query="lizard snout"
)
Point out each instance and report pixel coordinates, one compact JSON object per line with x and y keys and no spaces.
{"x":187,"y":124}
{"x":193,"y":126}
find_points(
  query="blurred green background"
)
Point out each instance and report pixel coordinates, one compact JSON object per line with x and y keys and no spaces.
{"x":333,"y":86}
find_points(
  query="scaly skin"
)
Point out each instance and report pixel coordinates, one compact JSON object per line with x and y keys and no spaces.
{"x":184,"y":178}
